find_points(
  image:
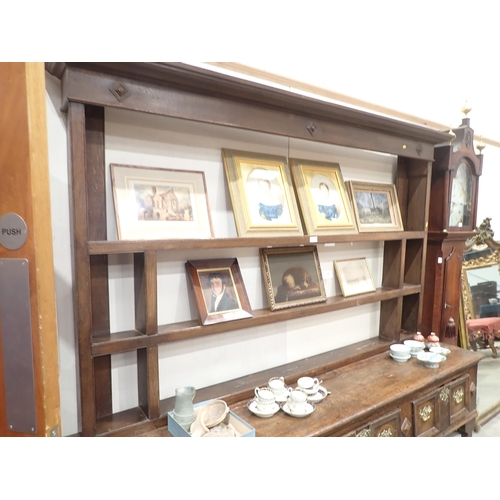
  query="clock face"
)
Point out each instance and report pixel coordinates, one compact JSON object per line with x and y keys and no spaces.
{"x":461,"y":197}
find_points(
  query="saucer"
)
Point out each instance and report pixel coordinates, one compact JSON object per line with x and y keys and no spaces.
{"x":319,"y":396}
{"x":400,"y":360}
{"x":252,"y":406}
{"x":308,"y":409}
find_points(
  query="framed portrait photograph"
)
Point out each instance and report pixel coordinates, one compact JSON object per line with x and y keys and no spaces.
{"x":375,"y":206}
{"x":354,"y":276}
{"x":292,"y":276}
{"x":323,"y":198}
{"x":219,"y":290}
{"x":262,"y":194}
{"x":158,"y":203}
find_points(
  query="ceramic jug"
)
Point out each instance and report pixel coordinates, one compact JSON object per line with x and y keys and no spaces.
{"x":184,"y":410}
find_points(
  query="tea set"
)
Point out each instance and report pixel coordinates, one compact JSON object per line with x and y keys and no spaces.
{"x":298,"y":402}
{"x":414,"y":348}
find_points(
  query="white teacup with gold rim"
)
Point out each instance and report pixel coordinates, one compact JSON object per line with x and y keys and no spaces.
{"x":309,"y":385}
{"x":264,"y":398}
{"x":277,"y":385}
{"x":297,"y":401}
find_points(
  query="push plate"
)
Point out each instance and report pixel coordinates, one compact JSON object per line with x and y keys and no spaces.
{"x":17,"y":349}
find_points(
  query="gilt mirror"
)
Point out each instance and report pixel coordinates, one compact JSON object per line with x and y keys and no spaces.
{"x":481,"y":314}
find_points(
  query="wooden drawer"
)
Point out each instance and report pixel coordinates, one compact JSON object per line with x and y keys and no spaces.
{"x":426,"y":414}
{"x":460,"y":398}
{"x":442,"y":408}
{"x":389,"y":425}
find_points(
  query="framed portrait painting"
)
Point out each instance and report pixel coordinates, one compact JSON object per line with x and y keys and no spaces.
{"x":219,"y":290}
{"x":159,"y":203}
{"x":262,"y":194}
{"x":292,"y":276}
{"x":354,"y":276}
{"x":375,"y":206}
{"x":323,"y":199}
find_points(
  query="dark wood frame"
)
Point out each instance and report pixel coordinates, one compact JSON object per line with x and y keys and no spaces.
{"x":181,"y":91}
{"x":302,"y":297}
{"x":193,"y":268}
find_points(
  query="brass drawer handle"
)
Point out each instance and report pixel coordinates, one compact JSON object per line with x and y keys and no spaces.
{"x":385,"y":433}
{"x":425,"y":413}
{"x":364,"y":433}
{"x":445,"y":394}
{"x":458,"y":395}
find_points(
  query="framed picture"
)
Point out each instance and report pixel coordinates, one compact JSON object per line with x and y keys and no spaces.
{"x":354,"y":276}
{"x":375,"y":206}
{"x":159,"y":203}
{"x":292,"y":276}
{"x":219,"y":291}
{"x":323,"y":199}
{"x":262,"y":194}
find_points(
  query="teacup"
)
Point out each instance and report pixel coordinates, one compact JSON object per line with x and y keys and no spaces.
{"x":264,"y":398}
{"x":297,"y":401}
{"x":277,"y":385}
{"x":309,"y":385}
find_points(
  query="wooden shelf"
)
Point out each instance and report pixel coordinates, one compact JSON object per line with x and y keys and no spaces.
{"x":181,"y":92}
{"x":132,"y":339}
{"x":243,"y":387}
{"x":135,"y":246}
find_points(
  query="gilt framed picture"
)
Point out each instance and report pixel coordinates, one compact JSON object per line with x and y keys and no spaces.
{"x":292,"y":276}
{"x":159,"y":203}
{"x":262,"y":194}
{"x":375,"y":206}
{"x":219,"y":291}
{"x":323,"y":199}
{"x":354,"y":276}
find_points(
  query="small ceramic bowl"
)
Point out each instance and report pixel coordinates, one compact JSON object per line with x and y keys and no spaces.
{"x":400,"y":351}
{"x":440,"y":350}
{"x":415,"y":347}
{"x":430,"y":359}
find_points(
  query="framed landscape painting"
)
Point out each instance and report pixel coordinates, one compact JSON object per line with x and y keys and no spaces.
{"x":292,"y":276}
{"x":219,"y":290}
{"x":262,"y":194}
{"x":354,"y":276}
{"x":159,"y":203}
{"x":376,"y":206}
{"x":323,"y":199}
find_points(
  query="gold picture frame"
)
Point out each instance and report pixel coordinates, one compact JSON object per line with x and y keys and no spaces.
{"x":230,"y":301}
{"x":354,"y":276}
{"x":376,"y":206}
{"x":160,"y":203}
{"x":325,"y":205}
{"x":292,"y":276}
{"x":262,"y":195}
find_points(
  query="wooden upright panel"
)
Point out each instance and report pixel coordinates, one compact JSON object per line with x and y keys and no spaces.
{"x":24,"y":190}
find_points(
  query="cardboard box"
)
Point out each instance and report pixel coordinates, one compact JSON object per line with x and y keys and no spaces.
{"x":241,"y":427}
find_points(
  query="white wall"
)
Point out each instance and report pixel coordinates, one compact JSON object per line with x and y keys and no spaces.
{"x":147,"y":140}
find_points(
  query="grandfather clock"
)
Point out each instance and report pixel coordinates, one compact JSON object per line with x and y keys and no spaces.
{"x":452,"y":220}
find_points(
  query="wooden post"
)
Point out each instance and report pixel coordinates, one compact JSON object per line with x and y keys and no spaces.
{"x":24,"y":190}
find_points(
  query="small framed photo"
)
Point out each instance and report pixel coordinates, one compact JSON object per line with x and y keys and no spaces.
{"x":159,"y":203}
{"x":219,"y":290}
{"x":323,"y":199}
{"x":354,"y":276}
{"x":292,"y":276}
{"x":262,"y":194}
{"x":375,"y":206}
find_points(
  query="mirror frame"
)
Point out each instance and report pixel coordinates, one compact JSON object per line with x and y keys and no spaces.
{"x":482,"y":240}
{"x":490,"y":260}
